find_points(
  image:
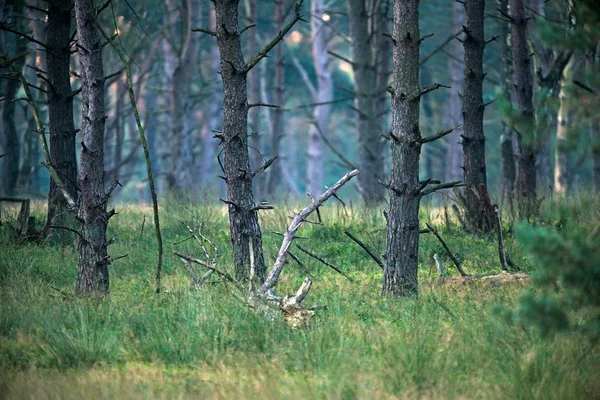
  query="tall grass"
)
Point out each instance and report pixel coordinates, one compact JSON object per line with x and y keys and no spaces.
{"x":448,"y":343}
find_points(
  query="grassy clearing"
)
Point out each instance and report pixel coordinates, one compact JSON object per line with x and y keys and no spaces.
{"x":448,"y":343}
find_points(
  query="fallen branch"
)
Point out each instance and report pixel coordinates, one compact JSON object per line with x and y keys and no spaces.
{"x":288,"y":236}
{"x":222,"y":274}
{"x":374,"y":256}
{"x":325,"y":262}
{"x":441,"y":240}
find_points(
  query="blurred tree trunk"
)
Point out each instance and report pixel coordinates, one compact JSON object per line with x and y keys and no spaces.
{"x":182,"y":59}
{"x":508,"y":169}
{"x":29,"y":171}
{"x":243,"y":217}
{"x":562,"y":167}
{"x":214,"y":120}
{"x":60,"y":111}
{"x":277,"y":131}
{"x":454,"y":160}
{"x":366,"y":31}
{"x":479,"y":214}
{"x":320,"y":36}
{"x":525,"y":125}
{"x":12,"y":159}
{"x":400,"y":273}
{"x":595,"y":151}
{"x":92,"y":216}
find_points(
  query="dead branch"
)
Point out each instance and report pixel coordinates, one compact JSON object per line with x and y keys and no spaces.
{"x":448,"y":185}
{"x":500,"y":239}
{"x":438,"y":136}
{"x":374,"y":256}
{"x":441,"y":240}
{"x":222,"y":274}
{"x":273,"y":275}
{"x":325,"y":262}
{"x":265,"y":50}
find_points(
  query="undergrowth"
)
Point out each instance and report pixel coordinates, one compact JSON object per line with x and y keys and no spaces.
{"x":447,"y":343}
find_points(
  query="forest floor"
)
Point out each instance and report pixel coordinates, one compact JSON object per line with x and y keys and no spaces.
{"x":450,"y":342}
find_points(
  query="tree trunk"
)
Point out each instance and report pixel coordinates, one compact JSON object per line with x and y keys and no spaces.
{"x":473,"y":143}
{"x":454,"y":160}
{"x":400,"y":274}
{"x":277,"y":132}
{"x":365,"y":36}
{"x":254,"y":97}
{"x":243,"y":218}
{"x":562,"y":167}
{"x":324,"y":93}
{"x":525,"y":126}
{"x":60,"y":111}
{"x":595,"y":152}
{"x":508,"y":169}
{"x":184,"y":61}
{"x":93,"y":219}
{"x":12,"y":159}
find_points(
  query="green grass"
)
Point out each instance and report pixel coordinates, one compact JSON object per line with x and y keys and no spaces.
{"x":185,"y":343}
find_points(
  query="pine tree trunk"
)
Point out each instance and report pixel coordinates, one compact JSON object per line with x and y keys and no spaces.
{"x":243,"y":218}
{"x":324,"y":93}
{"x":370,"y":146}
{"x":12,"y":159}
{"x":181,"y":143}
{"x":595,"y":152}
{"x":277,"y":131}
{"x":508,"y":168}
{"x":93,"y":219}
{"x":400,"y":274}
{"x":524,"y":95}
{"x":473,"y":142}
{"x":454,"y":160}
{"x":254,"y":97}
{"x":562,"y":167}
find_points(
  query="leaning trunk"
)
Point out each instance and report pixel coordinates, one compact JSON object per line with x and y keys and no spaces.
{"x":400,"y":273}
{"x":92,"y":216}
{"x":243,"y":217}
{"x":525,"y":127}
{"x":60,"y":110}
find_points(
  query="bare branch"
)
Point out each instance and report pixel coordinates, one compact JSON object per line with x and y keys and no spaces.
{"x":222,"y":274}
{"x":265,"y":50}
{"x":439,"y":135}
{"x":428,"y":89}
{"x":266,"y":165}
{"x":205,"y":30}
{"x":454,"y":260}
{"x":273,"y":276}
{"x":327,"y":263}
{"x":448,"y":185}
{"x":339,"y":56}
{"x":374,"y":256}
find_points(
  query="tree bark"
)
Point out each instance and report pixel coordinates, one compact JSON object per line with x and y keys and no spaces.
{"x":454,"y":160}
{"x":473,"y":142}
{"x":254,"y":97}
{"x":562,"y":167}
{"x":525,"y":126}
{"x":400,"y":274}
{"x":60,"y":111}
{"x":595,"y":152}
{"x":277,"y":133}
{"x":184,"y":61}
{"x":324,"y":93}
{"x":243,"y":218}
{"x":366,"y":34}
{"x":92,"y":216}
{"x":508,"y":168}
{"x":12,"y":159}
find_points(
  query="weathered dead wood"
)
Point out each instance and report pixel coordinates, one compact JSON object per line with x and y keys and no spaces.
{"x":325,"y":262}
{"x":484,"y":280}
{"x":289,"y":235}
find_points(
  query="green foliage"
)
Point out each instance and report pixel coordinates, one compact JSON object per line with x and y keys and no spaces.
{"x":567,"y":272}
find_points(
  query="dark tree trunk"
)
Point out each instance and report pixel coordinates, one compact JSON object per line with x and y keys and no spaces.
{"x":275,"y":176}
{"x":400,"y":274}
{"x":365,"y":35}
{"x":508,"y":169}
{"x":12,"y":159}
{"x":525,"y":126}
{"x":595,"y":151}
{"x":243,"y":218}
{"x":60,"y":110}
{"x":93,"y":219}
{"x":473,"y":143}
